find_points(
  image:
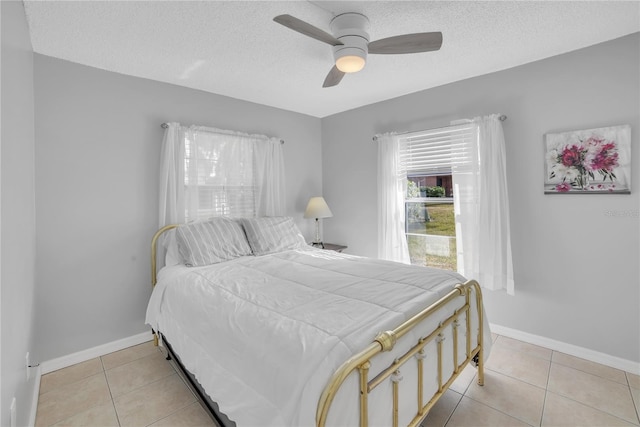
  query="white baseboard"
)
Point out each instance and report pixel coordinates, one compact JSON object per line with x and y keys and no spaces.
{"x":91,"y":353}
{"x":570,"y":349}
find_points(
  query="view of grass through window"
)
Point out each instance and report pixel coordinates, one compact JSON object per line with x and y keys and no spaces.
{"x":430,"y":223}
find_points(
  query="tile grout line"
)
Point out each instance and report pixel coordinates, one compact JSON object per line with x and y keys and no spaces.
{"x":113,"y":403}
{"x":592,"y":407}
{"x":175,"y":372}
{"x":173,"y":413}
{"x":142,"y":385}
{"x":138,"y":388}
{"x":84,"y":409}
{"x":595,"y":409}
{"x":497,"y":410}
{"x":589,"y":406}
{"x":154,"y":382}
{"x":489,"y":406}
{"x":546,"y":389}
{"x":591,"y":373}
{"x":454,"y":410}
{"x":70,"y":383}
{"x":514,"y":378}
{"x":636,"y":405}
{"x":137,"y":357}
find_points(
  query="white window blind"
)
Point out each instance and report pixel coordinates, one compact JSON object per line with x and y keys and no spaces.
{"x":430,"y":158}
{"x":436,"y":151}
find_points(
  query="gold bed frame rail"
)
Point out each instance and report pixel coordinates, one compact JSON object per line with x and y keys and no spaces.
{"x":385,"y":341}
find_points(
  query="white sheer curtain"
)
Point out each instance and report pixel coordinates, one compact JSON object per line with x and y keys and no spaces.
{"x":392,"y":187}
{"x":209,"y":172}
{"x":271,"y":201}
{"x":172,"y":175}
{"x":481,"y":206}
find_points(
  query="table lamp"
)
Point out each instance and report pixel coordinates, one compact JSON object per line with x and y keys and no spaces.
{"x":317,"y":208}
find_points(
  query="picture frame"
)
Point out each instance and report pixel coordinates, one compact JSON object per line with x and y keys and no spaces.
{"x":589,"y":161}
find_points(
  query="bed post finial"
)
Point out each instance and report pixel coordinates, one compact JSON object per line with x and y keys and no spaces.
{"x":387,"y":340}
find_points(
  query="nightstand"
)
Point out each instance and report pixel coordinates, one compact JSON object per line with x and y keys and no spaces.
{"x":334,"y":247}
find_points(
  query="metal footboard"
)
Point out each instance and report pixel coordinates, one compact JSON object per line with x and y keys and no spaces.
{"x":386,"y":341}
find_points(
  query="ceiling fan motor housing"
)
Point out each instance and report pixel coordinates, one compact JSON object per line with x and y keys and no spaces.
{"x":352,"y":30}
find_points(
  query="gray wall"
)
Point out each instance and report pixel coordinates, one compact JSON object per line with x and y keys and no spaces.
{"x":98,"y":140}
{"x":17,"y":213}
{"x":576,"y":266}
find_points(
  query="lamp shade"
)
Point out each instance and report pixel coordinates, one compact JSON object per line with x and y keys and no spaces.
{"x":317,"y":208}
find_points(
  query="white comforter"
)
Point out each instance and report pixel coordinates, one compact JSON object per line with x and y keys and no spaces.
{"x":264,"y":334}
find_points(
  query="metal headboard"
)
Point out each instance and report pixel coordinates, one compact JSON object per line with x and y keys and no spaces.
{"x":154,"y":251}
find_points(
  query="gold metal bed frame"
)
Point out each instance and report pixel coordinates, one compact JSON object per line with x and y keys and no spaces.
{"x":385,"y":341}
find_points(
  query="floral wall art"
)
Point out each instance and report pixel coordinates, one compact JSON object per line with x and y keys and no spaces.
{"x":588,"y":161}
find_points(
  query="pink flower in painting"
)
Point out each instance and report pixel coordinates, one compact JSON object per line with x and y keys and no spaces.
{"x":601,"y":156}
{"x":563,"y":187}
{"x":572,"y":156}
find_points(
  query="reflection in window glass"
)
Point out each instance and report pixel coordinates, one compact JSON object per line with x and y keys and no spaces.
{"x":430,"y":222}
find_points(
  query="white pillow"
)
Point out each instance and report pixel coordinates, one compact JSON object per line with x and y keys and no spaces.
{"x":209,"y":242}
{"x":272,"y":234}
{"x":172,"y":253}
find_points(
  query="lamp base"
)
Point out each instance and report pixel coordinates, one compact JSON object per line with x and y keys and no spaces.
{"x":317,"y":243}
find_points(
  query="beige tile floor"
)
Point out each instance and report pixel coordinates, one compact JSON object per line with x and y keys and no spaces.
{"x":525,"y":385}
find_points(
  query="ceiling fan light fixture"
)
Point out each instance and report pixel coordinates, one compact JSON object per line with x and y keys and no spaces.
{"x":350,"y":59}
{"x":351,"y":29}
{"x":350,"y":42}
{"x":350,"y":63}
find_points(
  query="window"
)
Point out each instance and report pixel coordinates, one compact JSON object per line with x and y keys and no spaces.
{"x":430,"y":225}
{"x":220,"y":176}
{"x":206,"y":172}
{"x":474,"y":155}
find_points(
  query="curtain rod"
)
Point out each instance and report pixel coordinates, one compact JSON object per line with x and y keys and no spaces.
{"x":166,"y":125}
{"x":502,"y":118}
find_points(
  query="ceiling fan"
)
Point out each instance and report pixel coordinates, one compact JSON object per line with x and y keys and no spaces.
{"x":350,"y":41}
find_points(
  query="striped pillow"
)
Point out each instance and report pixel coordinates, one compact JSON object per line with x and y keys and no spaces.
{"x":272,"y":234}
{"x":210,"y":242}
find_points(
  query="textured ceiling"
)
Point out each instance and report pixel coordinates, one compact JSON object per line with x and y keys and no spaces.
{"x":234,"y":48}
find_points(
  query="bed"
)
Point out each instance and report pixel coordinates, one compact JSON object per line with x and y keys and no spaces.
{"x":279,"y":333}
